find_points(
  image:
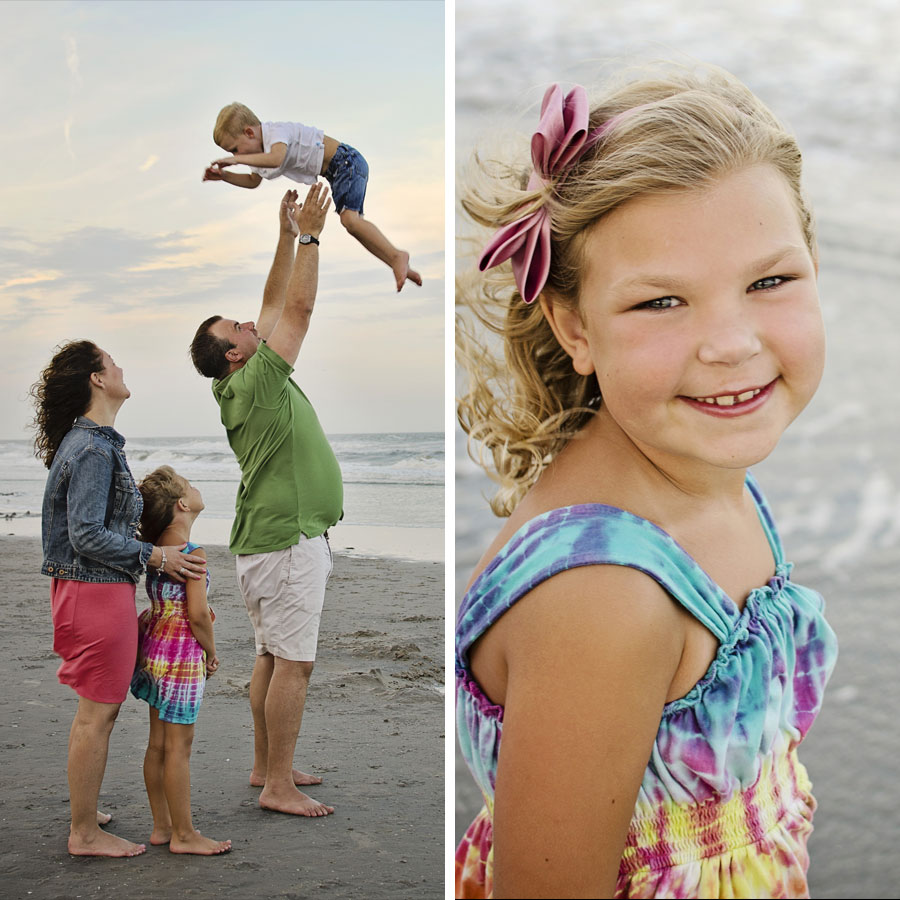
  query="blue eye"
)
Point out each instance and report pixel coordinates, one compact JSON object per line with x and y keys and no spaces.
{"x":661,"y":303}
{"x":770,"y":283}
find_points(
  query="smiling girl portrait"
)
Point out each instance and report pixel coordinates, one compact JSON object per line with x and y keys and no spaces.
{"x":635,"y":667}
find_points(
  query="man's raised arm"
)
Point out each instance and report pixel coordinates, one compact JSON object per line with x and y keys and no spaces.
{"x":276,"y":283}
{"x":300,"y":297}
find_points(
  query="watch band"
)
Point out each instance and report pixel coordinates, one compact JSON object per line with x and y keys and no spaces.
{"x":308,"y":239}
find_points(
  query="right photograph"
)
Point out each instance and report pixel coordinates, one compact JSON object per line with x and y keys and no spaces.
{"x":677,"y":485}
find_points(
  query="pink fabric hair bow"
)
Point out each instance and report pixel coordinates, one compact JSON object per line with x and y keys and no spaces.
{"x":561,"y":137}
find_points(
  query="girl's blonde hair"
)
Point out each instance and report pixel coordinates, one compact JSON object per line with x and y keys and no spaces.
{"x":676,"y":130}
{"x":160,"y":490}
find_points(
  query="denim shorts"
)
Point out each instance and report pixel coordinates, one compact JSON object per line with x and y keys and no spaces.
{"x":348,"y":175}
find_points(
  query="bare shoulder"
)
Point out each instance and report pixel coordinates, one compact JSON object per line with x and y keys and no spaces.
{"x":589,"y":656}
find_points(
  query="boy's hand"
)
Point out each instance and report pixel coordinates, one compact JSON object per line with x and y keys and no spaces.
{"x":286,"y":212}
{"x":225,"y":161}
{"x":212,"y":174}
{"x":212,"y":664}
{"x":310,"y":217}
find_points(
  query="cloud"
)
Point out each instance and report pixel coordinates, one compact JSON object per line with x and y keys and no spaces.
{"x":148,"y":163}
{"x":67,"y":134}
{"x":72,"y":59}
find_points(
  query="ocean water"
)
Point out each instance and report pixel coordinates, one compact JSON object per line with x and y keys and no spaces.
{"x":393,"y":487}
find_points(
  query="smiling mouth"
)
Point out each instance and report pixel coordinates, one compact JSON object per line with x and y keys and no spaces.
{"x":730,"y":399}
{"x":733,"y":403}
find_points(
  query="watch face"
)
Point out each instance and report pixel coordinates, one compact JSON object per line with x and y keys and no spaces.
{"x":305,"y":238}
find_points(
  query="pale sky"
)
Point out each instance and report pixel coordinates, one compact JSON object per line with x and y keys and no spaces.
{"x":107,"y":233}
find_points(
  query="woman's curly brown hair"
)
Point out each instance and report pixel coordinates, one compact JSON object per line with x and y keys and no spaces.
{"x":62,"y":394}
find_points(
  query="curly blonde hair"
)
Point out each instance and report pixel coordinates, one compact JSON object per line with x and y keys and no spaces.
{"x":676,"y":129}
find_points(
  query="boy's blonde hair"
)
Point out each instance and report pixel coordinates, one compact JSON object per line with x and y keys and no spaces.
{"x":683,"y":130}
{"x":160,"y":490}
{"x":231,"y":121}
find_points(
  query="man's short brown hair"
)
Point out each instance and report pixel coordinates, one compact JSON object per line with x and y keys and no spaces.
{"x":208,"y":351}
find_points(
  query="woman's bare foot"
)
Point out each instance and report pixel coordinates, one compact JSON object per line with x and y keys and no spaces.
{"x":103,"y":844}
{"x":160,"y":835}
{"x":402,"y":271}
{"x":300,"y":778}
{"x":196,"y":843}
{"x":103,"y":818}
{"x":295,"y":803}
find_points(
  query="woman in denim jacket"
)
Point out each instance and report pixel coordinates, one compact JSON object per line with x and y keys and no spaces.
{"x":89,"y":521}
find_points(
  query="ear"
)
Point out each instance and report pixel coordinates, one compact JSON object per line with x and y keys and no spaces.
{"x":233,"y":355}
{"x":97,"y":379}
{"x":570,"y":332}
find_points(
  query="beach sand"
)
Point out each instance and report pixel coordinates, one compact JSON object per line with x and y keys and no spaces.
{"x":373,"y":729}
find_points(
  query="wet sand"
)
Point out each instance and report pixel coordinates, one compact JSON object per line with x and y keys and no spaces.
{"x":373,"y":729}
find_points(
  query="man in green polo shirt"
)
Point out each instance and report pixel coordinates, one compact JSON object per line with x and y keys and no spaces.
{"x":290,"y":494}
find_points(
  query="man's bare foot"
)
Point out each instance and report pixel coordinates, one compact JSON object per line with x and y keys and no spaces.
{"x":103,"y":844}
{"x":199,"y":845}
{"x":103,"y":818}
{"x":402,"y":271}
{"x":160,"y":835}
{"x":296,"y":804}
{"x":300,"y":779}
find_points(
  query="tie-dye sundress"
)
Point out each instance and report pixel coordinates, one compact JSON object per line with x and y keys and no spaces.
{"x":724,"y":808}
{"x":171,"y":665}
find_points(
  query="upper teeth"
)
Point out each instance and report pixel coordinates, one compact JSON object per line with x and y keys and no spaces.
{"x":730,"y":399}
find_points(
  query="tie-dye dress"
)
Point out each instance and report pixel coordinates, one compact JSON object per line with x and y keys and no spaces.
{"x":171,"y":665}
{"x":724,"y":808}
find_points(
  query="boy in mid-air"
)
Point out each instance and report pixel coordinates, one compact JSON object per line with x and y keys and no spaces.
{"x":302,"y":153}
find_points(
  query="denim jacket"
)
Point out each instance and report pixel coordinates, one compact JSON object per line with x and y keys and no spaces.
{"x":91,"y":509}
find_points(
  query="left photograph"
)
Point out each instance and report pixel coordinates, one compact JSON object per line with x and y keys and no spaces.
{"x":222,"y":492}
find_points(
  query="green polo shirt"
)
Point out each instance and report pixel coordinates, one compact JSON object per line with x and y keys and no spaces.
{"x":290,"y":478}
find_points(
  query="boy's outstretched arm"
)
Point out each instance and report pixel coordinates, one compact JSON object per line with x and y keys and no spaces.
{"x":240,"y":179}
{"x":271,"y":160}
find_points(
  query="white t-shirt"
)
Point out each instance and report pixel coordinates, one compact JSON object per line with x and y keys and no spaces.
{"x":305,"y":151}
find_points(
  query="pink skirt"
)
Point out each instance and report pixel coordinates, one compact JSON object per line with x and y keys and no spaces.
{"x":95,"y":632}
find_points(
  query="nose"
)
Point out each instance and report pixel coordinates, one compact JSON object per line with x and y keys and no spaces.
{"x":729,"y":338}
{"x":248,"y":326}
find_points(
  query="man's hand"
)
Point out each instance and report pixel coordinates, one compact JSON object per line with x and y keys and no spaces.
{"x":286,"y":212}
{"x":213,"y":173}
{"x":310,"y":218}
{"x":225,"y":161}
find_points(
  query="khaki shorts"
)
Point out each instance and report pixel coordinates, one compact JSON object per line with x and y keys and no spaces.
{"x":284,"y":592}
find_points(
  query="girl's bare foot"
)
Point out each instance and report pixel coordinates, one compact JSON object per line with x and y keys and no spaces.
{"x":196,"y":843}
{"x":300,"y":778}
{"x":103,"y":818}
{"x":160,"y":835}
{"x":103,"y":844}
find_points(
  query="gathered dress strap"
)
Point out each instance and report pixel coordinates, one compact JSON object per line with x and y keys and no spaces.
{"x":589,"y":535}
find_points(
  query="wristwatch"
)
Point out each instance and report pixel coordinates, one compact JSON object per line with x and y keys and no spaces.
{"x":308,"y":239}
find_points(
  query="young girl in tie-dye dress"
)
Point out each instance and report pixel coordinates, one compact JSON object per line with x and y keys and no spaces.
{"x":634,"y":665}
{"x":176,"y":653}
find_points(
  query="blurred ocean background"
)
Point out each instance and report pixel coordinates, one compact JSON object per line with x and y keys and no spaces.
{"x":832,"y":73}
{"x":393,"y":488}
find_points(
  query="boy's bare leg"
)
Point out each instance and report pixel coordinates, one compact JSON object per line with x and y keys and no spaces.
{"x":88,"y":748}
{"x":285,"y":700}
{"x":177,"y":781}
{"x":378,"y":245}
{"x":154,"y":763}
{"x":259,"y":687}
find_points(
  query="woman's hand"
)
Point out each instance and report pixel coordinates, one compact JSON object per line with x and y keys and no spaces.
{"x":212,"y":665}
{"x":180,"y":567}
